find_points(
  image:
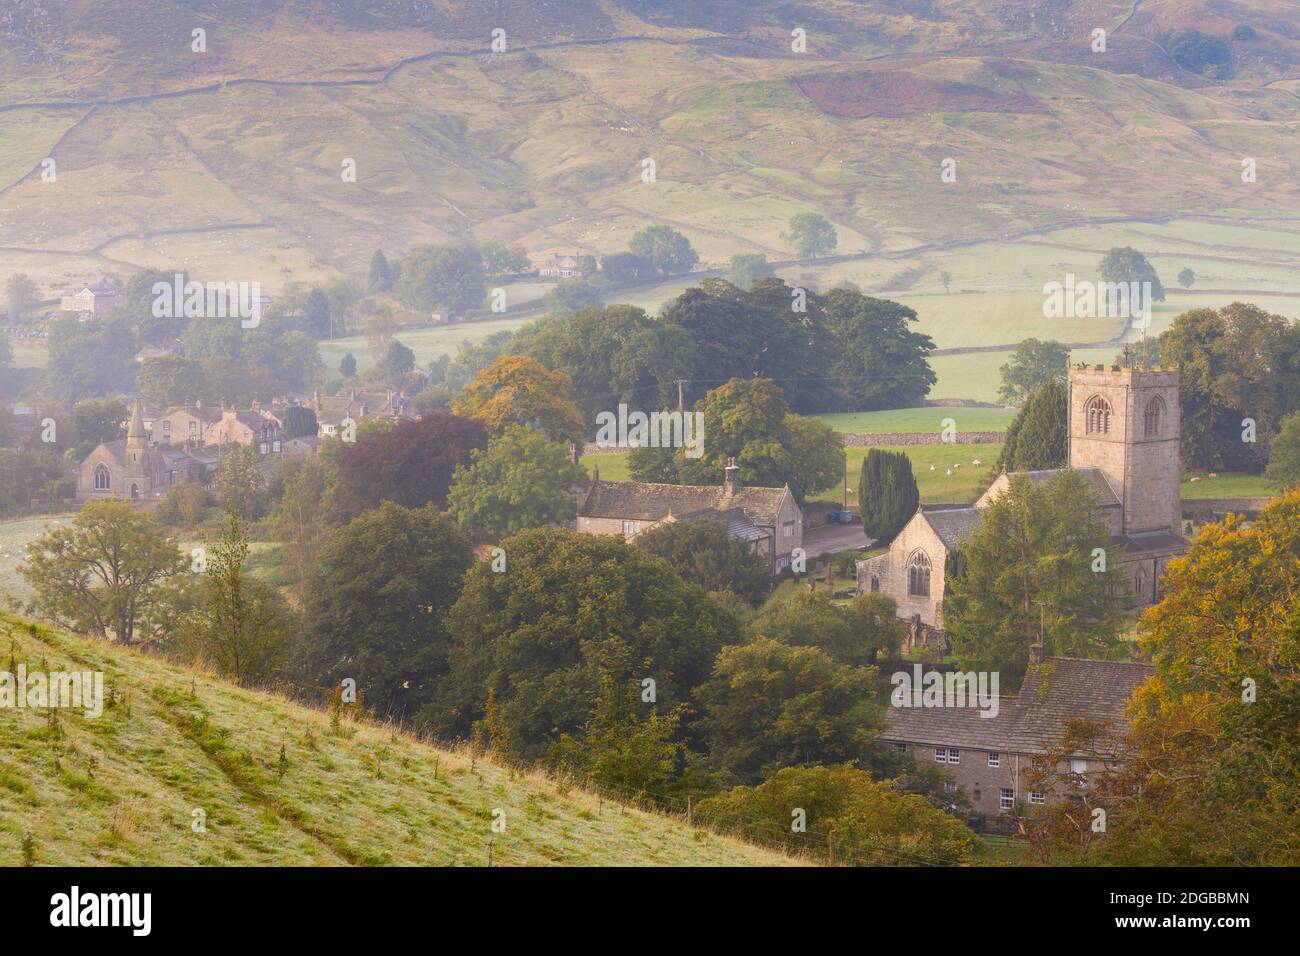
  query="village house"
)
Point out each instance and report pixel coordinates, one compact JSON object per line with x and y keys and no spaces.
{"x":1123,"y":434}
{"x":99,"y":299}
{"x":768,"y":519}
{"x":560,"y":267}
{"x":138,"y":469}
{"x":302,"y":445}
{"x":988,"y":757}
{"x":356,"y":404}
{"x":253,"y":427}
{"x":185,"y":426}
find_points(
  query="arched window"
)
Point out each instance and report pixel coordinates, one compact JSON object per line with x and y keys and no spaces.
{"x":101,"y":478}
{"x":1151,"y":418}
{"x":1096,"y":416}
{"x":918,"y":574}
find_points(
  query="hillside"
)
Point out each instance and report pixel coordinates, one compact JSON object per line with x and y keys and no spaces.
{"x":229,"y":160}
{"x":121,"y":789}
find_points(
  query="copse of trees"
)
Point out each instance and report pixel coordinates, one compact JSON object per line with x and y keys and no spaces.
{"x":704,"y":553}
{"x":442,"y":277}
{"x":1284,"y":455}
{"x":667,"y":249}
{"x":856,"y":634}
{"x":887,"y":494}
{"x":377,"y":607}
{"x":536,"y":637}
{"x":411,"y":464}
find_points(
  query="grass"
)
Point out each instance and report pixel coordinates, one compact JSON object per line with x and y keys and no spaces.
{"x":929,"y":418}
{"x":1227,"y":486}
{"x":427,"y":343}
{"x":174,"y":746}
{"x":15,"y":534}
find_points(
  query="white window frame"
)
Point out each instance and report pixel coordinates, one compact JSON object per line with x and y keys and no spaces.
{"x":1006,"y":798}
{"x":995,"y":760}
{"x":1037,"y":799}
{"x":1078,"y":766}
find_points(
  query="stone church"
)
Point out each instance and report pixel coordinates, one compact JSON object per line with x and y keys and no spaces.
{"x":1124,"y":434}
{"x":137,"y":469}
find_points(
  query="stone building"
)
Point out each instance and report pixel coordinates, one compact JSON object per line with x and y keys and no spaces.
{"x":1124,"y":434}
{"x":99,"y":299}
{"x":252,"y":427}
{"x":769,"y":519}
{"x":988,"y":757}
{"x":137,"y":469}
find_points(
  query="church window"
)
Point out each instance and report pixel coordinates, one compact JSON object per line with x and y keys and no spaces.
{"x":1096,"y":416}
{"x":1151,"y":417}
{"x":101,"y":478}
{"x":918,"y":575}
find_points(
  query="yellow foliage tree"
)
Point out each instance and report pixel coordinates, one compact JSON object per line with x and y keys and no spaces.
{"x":518,"y":390}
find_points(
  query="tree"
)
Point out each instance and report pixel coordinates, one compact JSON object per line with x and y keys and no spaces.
{"x":567,"y":604}
{"x":184,"y":505}
{"x":25,"y":474}
{"x":665,"y":247}
{"x":320,"y":324}
{"x":100,"y":574}
{"x":397,"y":361}
{"x":21,"y":297}
{"x":342,"y":297}
{"x":520,"y":481}
{"x":1186,"y":278}
{"x":771,"y":705}
{"x":98,"y":420}
{"x":1237,"y":363}
{"x":746,"y":267}
{"x":239,"y":482}
{"x":1144,"y":353}
{"x":240,"y":626}
{"x":516,"y":389}
{"x":348,"y":365}
{"x":816,"y":455}
{"x":1032,"y":569}
{"x":878,"y":361}
{"x":411,"y":464}
{"x":89,"y":358}
{"x":1284,"y":455}
{"x":299,"y":517}
{"x":442,"y":277}
{"x":1032,"y":364}
{"x":377,"y":607}
{"x":570,"y":295}
{"x":852,"y":634}
{"x":704,"y":553}
{"x":850,"y":819}
{"x":945,"y":278}
{"x":627,"y":268}
{"x":299,"y":421}
{"x":499,"y":260}
{"x":381,"y":275}
{"x":812,"y":235}
{"x":887,"y":494}
{"x":1038,"y":439}
{"x":1126,"y":264}
{"x":170,"y":380}
{"x":1208,"y":772}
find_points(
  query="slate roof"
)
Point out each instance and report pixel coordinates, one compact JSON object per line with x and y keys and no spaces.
{"x":1060,"y":689}
{"x":1096,"y":477}
{"x":650,"y":501}
{"x":953,"y":525}
{"x":1149,"y":542}
{"x":739,"y":525}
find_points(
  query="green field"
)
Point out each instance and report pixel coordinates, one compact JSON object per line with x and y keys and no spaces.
{"x":1227,"y":486}
{"x":929,"y":418}
{"x":15,"y":535}
{"x":427,"y":343}
{"x":274,"y":783}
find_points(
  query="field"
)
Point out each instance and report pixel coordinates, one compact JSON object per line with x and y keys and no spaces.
{"x":14,"y":537}
{"x":929,"y":418}
{"x":183,"y":769}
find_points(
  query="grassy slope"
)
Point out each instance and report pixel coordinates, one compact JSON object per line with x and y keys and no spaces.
{"x":120,"y":789}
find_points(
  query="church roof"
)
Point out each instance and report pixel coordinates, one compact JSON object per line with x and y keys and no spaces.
{"x":953,"y":525}
{"x":1152,"y":541}
{"x":650,"y":501}
{"x":1057,"y":691}
{"x":1106,"y":495}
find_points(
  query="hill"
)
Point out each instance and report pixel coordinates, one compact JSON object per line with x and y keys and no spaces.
{"x":278,"y":784}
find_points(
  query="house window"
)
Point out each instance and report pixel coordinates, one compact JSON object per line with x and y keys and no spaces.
{"x":1036,"y":798}
{"x":1096,"y":415}
{"x":1006,"y":799}
{"x":1151,"y":417}
{"x":875,"y":583}
{"x":631,"y":527}
{"x":167,"y":429}
{"x":101,"y":478}
{"x":1078,"y":766}
{"x":995,"y":760}
{"x":949,"y":787}
{"x":947,"y":755}
{"x":262,"y":448}
{"x":787,"y":529}
{"x":901,"y":748}
{"x":918,"y":575}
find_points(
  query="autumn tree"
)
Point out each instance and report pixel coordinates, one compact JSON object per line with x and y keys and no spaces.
{"x":519,"y":390}
{"x":1038,"y":562}
{"x":411,"y":463}
{"x":99,"y":574}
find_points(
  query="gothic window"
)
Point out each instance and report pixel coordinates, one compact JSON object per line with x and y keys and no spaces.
{"x":1155,"y":411}
{"x":101,"y":478}
{"x":1096,"y":415}
{"x":918,"y":575}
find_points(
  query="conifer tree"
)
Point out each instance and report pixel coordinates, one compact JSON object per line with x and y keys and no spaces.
{"x":887,"y":493}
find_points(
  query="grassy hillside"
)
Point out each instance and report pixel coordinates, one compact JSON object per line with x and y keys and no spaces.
{"x":280,"y":786}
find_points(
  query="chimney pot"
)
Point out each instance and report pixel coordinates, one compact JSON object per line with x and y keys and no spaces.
{"x":730,"y":478}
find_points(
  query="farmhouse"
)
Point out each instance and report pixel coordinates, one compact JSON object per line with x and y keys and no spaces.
{"x":1124,"y":433}
{"x":989,"y":756}
{"x":768,"y":519}
{"x":99,"y":299}
{"x":137,"y":469}
{"x":560,"y":267}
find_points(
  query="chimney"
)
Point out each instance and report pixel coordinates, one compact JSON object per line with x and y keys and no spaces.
{"x":1036,"y":651}
{"x":573,"y":452}
{"x":730,"y":478}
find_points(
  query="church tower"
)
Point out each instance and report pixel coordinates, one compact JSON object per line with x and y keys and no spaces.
{"x":135,"y":471}
{"x":1125,"y":421}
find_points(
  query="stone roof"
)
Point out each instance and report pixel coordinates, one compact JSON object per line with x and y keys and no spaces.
{"x":1149,"y":542}
{"x":1054,"y":692}
{"x":1095,"y":476}
{"x":650,"y":501}
{"x":953,"y":525}
{"x":739,"y":524}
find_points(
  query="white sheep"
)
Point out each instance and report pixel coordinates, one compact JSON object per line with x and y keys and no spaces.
{"x":949,"y":472}
{"x":977,"y":462}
